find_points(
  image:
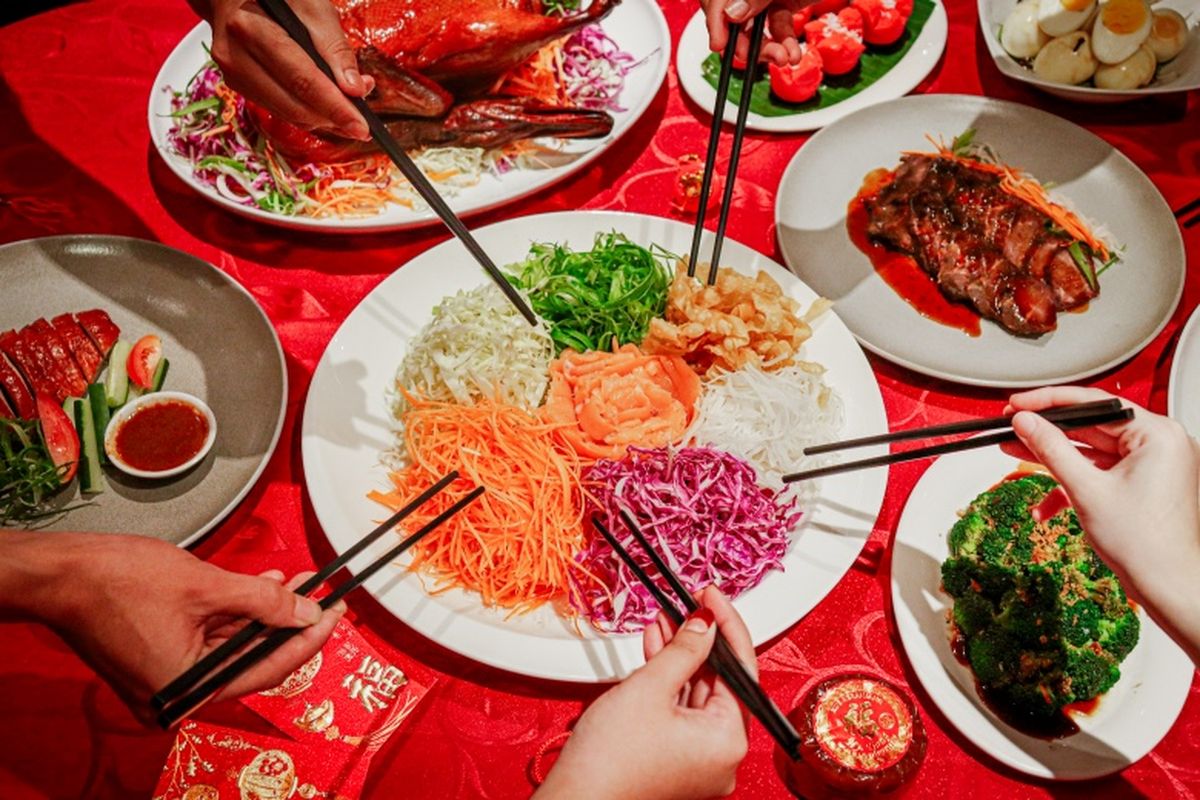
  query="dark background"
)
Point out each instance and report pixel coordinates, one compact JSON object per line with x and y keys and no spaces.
{"x":13,"y":10}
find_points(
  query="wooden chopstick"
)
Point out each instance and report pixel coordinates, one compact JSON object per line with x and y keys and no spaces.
{"x":966,"y":426}
{"x":282,"y":13}
{"x":739,"y":130}
{"x":1084,"y":421}
{"x":176,"y":711}
{"x":193,"y":674}
{"x":723,"y":660}
{"x":714,"y":138}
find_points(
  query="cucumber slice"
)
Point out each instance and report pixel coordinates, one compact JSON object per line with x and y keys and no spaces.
{"x":91,"y":477}
{"x":98,"y":398}
{"x":160,"y":375}
{"x":69,"y":410}
{"x":116,"y":382}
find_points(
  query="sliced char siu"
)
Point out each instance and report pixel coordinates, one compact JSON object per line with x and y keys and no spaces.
{"x":70,"y":379}
{"x":12,"y":386}
{"x":17,"y":347}
{"x":83,"y":350}
{"x":100,"y":327}
{"x":981,"y":245}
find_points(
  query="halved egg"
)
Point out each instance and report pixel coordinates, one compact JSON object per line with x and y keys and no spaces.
{"x":1020,"y":35}
{"x":1060,"y":17}
{"x":1168,"y":34}
{"x":1067,"y":59}
{"x":1132,"y":73}
{"x":1121,"y":27}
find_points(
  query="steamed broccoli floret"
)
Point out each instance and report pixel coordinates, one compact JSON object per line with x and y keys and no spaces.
{"x":1044,"y":620}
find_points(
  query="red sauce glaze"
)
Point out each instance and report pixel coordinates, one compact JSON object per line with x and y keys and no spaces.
{"x":161,"y":436}
{"x":1083,"y":707}
{"x":901,"y":272}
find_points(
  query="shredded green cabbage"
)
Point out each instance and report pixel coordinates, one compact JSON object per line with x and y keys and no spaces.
{"x":589,"y":298}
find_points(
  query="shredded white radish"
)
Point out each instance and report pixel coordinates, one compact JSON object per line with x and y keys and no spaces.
{"x":476,"y":345}
{"x":768,"y":418}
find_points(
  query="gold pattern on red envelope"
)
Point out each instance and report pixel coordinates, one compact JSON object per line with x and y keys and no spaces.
{"x":208,"y":762}
{"x":349,"y":695}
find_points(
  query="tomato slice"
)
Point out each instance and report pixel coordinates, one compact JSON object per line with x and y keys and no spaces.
{"x":59,"y":436}
{"x":143,"y":360}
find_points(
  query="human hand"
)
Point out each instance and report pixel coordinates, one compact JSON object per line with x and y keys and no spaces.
{"x":1136,"y":489}
{"x":140,"y":611}
{"x":259,"y":60}
{"x":670,"y":730}
{"x":783,"y":46}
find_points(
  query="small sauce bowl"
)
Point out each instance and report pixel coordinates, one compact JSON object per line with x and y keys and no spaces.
{"x":174,"y":433}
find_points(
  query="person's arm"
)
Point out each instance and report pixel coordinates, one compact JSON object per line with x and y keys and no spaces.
{"x":260,"y":61}
{"x":139,"y":611}
{"x":1136,"y":489}
{"x":669,"y":731}
{"x":783,"y":47}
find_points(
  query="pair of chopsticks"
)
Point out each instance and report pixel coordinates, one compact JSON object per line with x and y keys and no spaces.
{"x":207,"y":676}
{"x":714,"y":137}
{"x":1080,"y":415}
{"x":722,"y":659}
{"x":1188,"y":208}
{"x":282,"y":13}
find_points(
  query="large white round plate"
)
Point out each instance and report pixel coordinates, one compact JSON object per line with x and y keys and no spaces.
{"x":1130,"y":718}
{"x":1181,"y":74}
{"x":918,"y":62}
{"x":1137,"y":297}
{"x":637,"y":26}
{"x":346,"y":426}
{"x":1183,"y":390}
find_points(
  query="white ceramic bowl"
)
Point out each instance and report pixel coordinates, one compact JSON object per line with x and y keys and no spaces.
{"x":1180,"y":74}
{"x":128,"y":410}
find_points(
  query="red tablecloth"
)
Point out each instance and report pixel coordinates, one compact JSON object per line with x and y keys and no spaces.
{"x":75,"y":157}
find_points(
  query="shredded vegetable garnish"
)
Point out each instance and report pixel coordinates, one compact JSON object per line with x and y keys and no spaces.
{"x":516,"y":544}
{"x":476,"y":345}
{"x":768,"y":418}
{"x":609,"y":401}
{"x":29,"y":479}
{"x":737,"y":321}
{"x":595,"y":297}
{"x":701,"y":509}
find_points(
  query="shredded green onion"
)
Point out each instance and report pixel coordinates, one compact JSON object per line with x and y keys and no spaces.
{"x":28,"y":476}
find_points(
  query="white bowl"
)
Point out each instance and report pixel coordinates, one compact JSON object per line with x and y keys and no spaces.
{"x":126,"y":411}
{"x":1180,"y":74}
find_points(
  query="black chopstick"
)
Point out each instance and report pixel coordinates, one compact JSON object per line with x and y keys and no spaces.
{"x":722,"y":659}
{"x":714,"y":138}
{"x":1193,"y":222}
{"x":282,"y":13}
{"x":234,"y":643}
{"x":1086,"y":421}
{"x":179,"y":709}
{"x":1187,"y":208}
{"x":966,"y":426}
{"x":739,"y":131}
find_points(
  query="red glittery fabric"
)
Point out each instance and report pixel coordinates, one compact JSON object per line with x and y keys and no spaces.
{"x":75,"y":157}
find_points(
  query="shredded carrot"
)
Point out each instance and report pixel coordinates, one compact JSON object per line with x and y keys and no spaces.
{"x":540,"y":76}
{"x":1027,"y":189}
{"x":516,"y":544}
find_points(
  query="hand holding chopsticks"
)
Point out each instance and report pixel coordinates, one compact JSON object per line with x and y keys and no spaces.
{"x":1080,"y":415}
{"x":723,"y":661}
{"x":207,"y":676}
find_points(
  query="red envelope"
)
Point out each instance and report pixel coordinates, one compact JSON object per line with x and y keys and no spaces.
{"x":345,"y":694}
{"x":209,"y":762}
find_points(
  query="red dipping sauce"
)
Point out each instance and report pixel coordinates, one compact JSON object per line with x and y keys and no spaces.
{"x":859,"y":736}
{"x":161,"y":436}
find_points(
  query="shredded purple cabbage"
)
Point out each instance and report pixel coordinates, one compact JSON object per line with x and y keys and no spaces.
{"x":595,"y":67}
{"x":702,"y":510}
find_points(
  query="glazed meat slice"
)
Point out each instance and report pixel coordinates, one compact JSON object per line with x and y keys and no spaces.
{"x":71,"y":380}
{"x":6,"y":411}
{"x":100,"y":327}
{"x":83,"y":350}
{"x":981,"y":245}
{"x":12,"y":386}
{"x":49,"y":366}
{"x":16,"y":346}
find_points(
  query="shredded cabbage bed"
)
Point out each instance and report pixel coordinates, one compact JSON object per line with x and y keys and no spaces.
{"x":702,"y":509}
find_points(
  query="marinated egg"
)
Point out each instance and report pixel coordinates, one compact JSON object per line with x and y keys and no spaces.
{"x":1132,"y":73}
{"x":1067,"y":59}
{"x":1020,"y":36}
{"x":1121,"y":27}
{"x":1168,"y":34}
{"x":1060,"y":17}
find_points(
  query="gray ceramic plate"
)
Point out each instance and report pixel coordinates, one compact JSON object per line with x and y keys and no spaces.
{"x":221,"y":347}
{"x":1137,"y":296}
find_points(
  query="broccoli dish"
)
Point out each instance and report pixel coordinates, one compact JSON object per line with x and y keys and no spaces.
{"x":1039,"y":617}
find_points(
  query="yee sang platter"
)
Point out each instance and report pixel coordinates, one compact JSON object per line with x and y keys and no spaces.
{"x":640,"y":389}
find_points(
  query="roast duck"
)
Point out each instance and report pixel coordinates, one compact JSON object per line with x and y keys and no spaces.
{"x":435,"y":64}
